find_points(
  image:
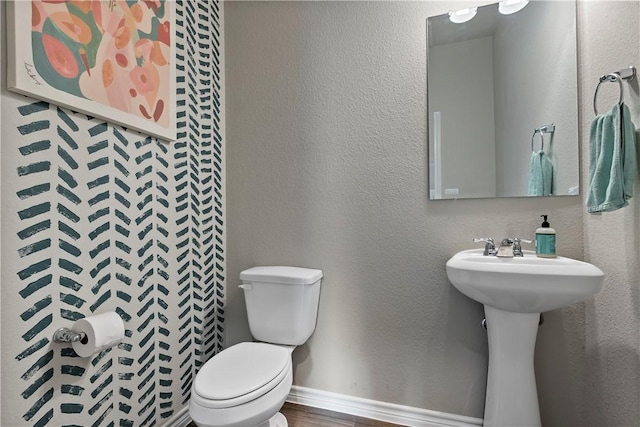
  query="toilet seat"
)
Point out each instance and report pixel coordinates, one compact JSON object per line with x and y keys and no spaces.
{"x":256,"y":413}
{"x":241,"y":373}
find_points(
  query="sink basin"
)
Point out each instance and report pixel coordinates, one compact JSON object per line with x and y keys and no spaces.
{"x":525,"y":284}
{"x":514,"y":292}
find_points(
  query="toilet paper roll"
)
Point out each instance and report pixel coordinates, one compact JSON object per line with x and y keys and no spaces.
{"x":101,"y":331}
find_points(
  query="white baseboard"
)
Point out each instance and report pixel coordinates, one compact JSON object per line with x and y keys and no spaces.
{"x":382,"y":411}
{"x":372,"y":409}
{"x":179,"y":419}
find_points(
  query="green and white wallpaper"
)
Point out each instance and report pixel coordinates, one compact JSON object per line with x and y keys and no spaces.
{"x":98,"y":218}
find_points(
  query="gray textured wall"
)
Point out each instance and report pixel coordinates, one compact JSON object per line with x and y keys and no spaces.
{"x":610,"y":41}
{"x":326,"y":129}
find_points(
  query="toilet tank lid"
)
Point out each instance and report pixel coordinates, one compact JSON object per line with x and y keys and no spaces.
{"x":281,"y":274}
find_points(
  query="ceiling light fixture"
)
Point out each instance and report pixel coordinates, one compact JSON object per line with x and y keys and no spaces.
{"x":462,"y":15}
{"x":507,"y":7}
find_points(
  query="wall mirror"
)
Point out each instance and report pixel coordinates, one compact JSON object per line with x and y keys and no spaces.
{"x":503,"y":101}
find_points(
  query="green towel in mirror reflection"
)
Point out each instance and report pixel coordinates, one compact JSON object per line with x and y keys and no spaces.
{"x":540,"y":174}
{"x":612,"y":160}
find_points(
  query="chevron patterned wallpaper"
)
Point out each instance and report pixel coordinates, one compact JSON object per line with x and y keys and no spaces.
{"x":98,"y":218}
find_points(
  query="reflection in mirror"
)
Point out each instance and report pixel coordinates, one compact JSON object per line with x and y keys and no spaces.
{"x":503,"y":102}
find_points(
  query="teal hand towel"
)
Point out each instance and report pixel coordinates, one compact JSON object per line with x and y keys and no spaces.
{"x":612,"y":160}
{"x":540,"y":174}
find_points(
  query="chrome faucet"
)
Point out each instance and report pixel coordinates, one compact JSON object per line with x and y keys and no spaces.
{"x":489,"y":247}
{"x":511,"y":247}
{"x":506,"y":249}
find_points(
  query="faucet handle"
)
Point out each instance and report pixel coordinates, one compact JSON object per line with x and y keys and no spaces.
{"x":517,"y":248}
{"x":489,"y":247}
{"x":517,"y":239}
{"x":483,"y":239}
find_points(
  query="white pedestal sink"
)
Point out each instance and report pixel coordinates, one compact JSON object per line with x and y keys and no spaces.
{"x":514,"y":292}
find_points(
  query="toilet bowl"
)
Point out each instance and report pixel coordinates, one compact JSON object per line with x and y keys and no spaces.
{"x":246,"y":384}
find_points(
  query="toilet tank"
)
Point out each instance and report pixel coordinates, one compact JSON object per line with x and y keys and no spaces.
{"x":282,"y":303}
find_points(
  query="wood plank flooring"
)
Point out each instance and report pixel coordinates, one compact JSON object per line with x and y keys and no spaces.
{"x":306,"y":416}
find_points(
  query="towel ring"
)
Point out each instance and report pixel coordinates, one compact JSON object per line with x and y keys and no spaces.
{"x":613,"y":77}
{"x":541,"y":139}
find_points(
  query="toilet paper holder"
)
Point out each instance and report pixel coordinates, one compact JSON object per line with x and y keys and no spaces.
{"x":63,"y":335}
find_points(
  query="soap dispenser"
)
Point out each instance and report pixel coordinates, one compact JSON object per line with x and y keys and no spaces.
{"x":545,"y":240}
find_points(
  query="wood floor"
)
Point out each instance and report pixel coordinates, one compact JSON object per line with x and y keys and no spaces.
{"x":305,"y":416}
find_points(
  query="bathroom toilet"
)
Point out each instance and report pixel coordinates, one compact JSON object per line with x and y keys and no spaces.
{"x":246,"y":384}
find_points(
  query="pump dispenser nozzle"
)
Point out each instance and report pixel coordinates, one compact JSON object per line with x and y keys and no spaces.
{"x":545,"y":224}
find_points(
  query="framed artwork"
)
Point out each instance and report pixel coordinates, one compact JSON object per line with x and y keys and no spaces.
{"x":112,"y":59}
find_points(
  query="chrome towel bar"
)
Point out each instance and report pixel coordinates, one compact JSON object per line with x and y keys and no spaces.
{"x":542,"y":130}
{"x":617,"y":76}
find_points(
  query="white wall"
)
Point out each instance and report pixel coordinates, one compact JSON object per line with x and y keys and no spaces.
{"x":467,"y":123}
{"x":327,"y":168}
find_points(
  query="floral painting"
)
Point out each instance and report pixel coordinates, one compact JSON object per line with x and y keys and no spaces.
{"x":108,"y":58}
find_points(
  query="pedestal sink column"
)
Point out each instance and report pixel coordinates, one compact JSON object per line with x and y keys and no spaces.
{"x":512,"y":398}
